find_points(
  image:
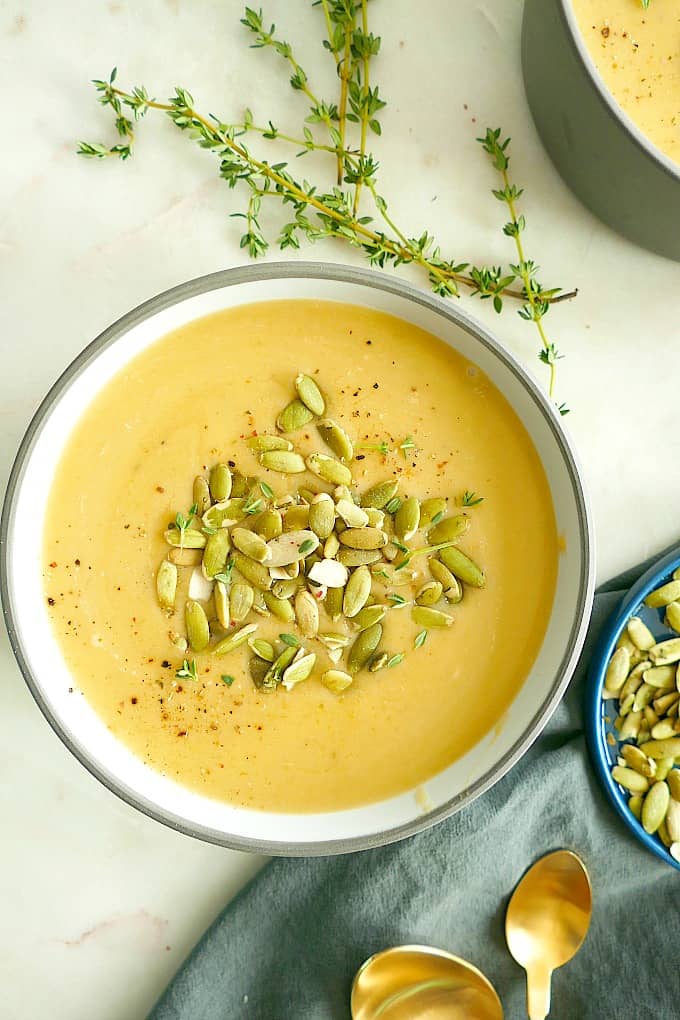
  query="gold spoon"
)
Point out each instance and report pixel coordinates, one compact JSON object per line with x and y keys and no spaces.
{"x":421,"y":983}
{"x":546,"y":922}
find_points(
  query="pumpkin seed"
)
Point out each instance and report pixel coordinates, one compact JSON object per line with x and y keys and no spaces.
{"x":196,"y":622}
{"x":333,"y":641}
{"x":322,"y":515}
{"x":187,"y":539}
{"x":335,"y":437}
{"x":291,"y":547}
{"x":220,"y":483}
{"x":283,"y":461}
{"x":407,"y":519}
{"x":665,"y":652}
{"x":259,"y":604}
{"x":654,"y":807}
{"x":452,"y":589}
{"x":431,"y":508}
{"x":368,"y":616}
{"x":329,"y":574}
{"x":263,"y":649}
{"x":265,"y":443}
{"x":166,"y":586}
{"x":336,"y":680}
{"x":640,"y":634}
{"x":293,"y":417}
{"x":333,"y":602}
{"x":664,"y":595}
{"x":462,"y":567}
{"x":273,"y":675}
{"x":448,"y":530}
{"x":269,"y":525}
{"x":296,"y":518}
{"x":430,"y":594}
{"x":306,"y":494}
{"x":222,"y":515}
{"x":635,"y":805}
{"x":250,"y":544}
{"x":281,"y":608}
{"x":378,"y":662}
{"x":258,"y":669}
{"x":673,"y":779}
{"x":630,"y":779}
{"x":216,"y":552}
{"x":307,"y":614}
{"x":285,"y":589}
{"x":673,"y":615}
{"x":201,"y":495}
{"x":638,"y":760}
{"x":241,"y":599}
{"x":376,"y":518}
{"x":424,"y":616}
{"x":310,"y":394}
{"x":357,"y":590}
{"x":364,"y":647}
{"x":378,"y":495}
{"x":228,"y":644}
{"x":391,"y":551}
{"x":331,"y":546}
{"x":329,"y":469}
{"x":352,"y":515}
{"x":617,"y":670}
{"x":221,"y":596}
{"x":254,"y":572}
{"x":363,"y":538}
{"x":663,"y":748}
{"x":298,"y":671}
{"x":241,"y":485}
{"x":358,"y":557}
{"x":185,"y":557}
{"x":660,"y":676}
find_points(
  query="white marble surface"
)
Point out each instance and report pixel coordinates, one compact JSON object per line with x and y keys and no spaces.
{"x":100,"y":905}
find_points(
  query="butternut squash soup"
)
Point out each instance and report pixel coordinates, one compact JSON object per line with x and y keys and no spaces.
{"x":637,"y":52}
{"x":300,"y":556}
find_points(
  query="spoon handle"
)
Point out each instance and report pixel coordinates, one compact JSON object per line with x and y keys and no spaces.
{"x":538,"y":992}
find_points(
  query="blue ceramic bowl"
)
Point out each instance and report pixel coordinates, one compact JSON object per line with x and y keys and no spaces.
{"x":600,"y":714}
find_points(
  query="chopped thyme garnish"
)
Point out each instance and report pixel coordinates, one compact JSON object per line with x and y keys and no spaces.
{"x":187,"y":671}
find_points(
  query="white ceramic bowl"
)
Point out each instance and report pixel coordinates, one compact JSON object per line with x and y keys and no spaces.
{"x":38,"y":653}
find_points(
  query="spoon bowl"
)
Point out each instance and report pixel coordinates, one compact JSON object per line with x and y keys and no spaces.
{"x":546,"y":922}
{"x":422,"y":983}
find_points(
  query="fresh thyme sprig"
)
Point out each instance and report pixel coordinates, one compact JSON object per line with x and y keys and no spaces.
{"x":335,"y":212}
{"x":470,"y":499}
{"x":187,"y":671}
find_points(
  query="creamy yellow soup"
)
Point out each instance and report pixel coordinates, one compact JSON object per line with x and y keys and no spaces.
{"x":637,"y":52}
{"x":188,"y":402}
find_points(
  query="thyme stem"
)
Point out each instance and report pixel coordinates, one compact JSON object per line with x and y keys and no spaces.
{"x":366,"y":86}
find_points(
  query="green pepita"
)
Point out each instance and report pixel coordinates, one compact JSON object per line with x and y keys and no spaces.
{"x":369,"y":616}
{"x":351,"y":514}
{"x":431,"y":508}
{"x":196,"y":623}
{"x":250,"y":544}
{"x":201,"y":495}
{"x":307,"y":613}
{"x":278,"y":667}
{"x":357,"y":590}
{"x":285,"y":589}
{"x":185,"y":557}
{"x":269,"y":525}
{"x":430,"y":594}
{"x":335,"y":437}
{"x":331,"y":546}
{"x":232,"y":641}
{"x":449,"y":530}
{"x":364,"y":647}
{"x":465,"y":569}
{"x":187,"y":539}
{"x":378,"y":662}
{"x":296,"y":518}
{"x":263,"y":649}
{"x":166,"y":586}
{"x":284,"y":461}
{"x":427,"y":617}
{"x":241,"y":485}
{"x":333,"y":603}
{"x":358,"y":557}
{"x":322,"y":515}
{"x":363,"y":538}
{"x":380,"y":494}
{"x":253,"y":571}
{"x":329,"y":469}
{"x":336,"y":680}
{"x":281,"y":608}
{"x":376,"y":518}
{"x":298,"y":671}
{"x":224,"y":514}
{"x":220,"y":483}
{"x":241,"y":599}
{"x":291,"y":547}
{"x":265,"y":443}
{"x":216,"y":552}
{"x":310,"y":394}
{"x":221,"y":597}
{"x":407,"y":519}
{"x":293,"y":417}
{"x":452,"y":590}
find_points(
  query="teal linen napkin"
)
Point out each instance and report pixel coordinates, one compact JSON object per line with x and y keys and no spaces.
{"x":288,"y":946}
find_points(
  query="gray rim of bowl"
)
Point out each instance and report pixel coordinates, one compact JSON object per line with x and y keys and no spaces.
{"x":614,"y":109}
{"x":377,"y":281}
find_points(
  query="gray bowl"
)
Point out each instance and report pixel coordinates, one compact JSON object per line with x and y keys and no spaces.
{"x":604,"y":158}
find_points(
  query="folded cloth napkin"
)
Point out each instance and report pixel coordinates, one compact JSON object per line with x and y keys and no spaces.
{"x":288,"y":946}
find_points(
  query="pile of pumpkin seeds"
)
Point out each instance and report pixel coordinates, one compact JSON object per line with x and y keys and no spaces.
{"x":321,"y":560}
{"x":644,"y":675}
